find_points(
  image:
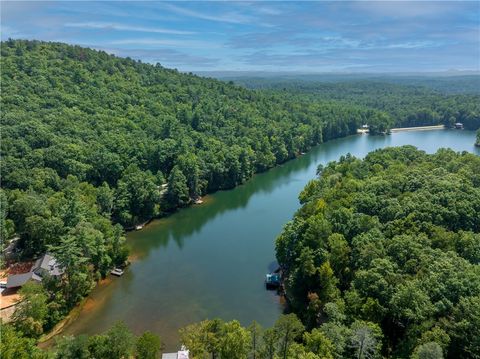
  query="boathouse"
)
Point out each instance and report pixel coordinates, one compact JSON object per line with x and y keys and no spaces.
{"x":273,"y":280}
{"x":183,"y":353}
{"x":459,"y":126}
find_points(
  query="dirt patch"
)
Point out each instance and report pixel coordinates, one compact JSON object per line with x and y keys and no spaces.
{"x":9,"y":297}
{"x":133,"y":258}
{"x":6,"y":314}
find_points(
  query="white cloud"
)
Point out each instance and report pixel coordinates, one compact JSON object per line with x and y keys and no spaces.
{"x":231,"y":17}
{"x":121,"y":27}
{"x":413,"y":45}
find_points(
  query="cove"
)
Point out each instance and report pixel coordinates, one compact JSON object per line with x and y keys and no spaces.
{"x":210,"y":260}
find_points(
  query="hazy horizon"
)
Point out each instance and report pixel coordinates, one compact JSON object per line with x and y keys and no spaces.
{"x":360,"y":37}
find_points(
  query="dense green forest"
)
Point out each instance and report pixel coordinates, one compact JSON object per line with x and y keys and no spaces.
{"x":478,"y":138}
{"x":393,"y":241}
{"x":408,"y":101}
{"x":93,"y":144}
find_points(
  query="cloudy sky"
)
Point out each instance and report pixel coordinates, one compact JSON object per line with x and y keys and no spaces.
{"x":340,"y":36}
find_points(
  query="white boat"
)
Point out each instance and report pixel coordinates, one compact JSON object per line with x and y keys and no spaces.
{"x":139,"y":227}
{"x":117,"y":271}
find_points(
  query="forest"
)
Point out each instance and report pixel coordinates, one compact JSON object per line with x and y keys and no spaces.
{"x":409,"y":101}
{"x":93,"y":144}
{"x":392,"y":241}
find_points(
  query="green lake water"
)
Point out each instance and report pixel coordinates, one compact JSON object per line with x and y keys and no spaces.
{"x":210,"y":260}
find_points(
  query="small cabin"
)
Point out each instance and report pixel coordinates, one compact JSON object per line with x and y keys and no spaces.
{"x":459,"y":126}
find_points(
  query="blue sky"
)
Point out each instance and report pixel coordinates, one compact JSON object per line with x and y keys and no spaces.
{"x":360,"y":36}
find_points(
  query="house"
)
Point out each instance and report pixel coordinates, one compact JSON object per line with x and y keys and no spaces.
{"x":45,"y":265}
{"x":459,"y":126}
{"x":183,"y":353}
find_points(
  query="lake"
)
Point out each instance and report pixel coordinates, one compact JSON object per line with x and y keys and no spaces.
{"x":210,"y":260}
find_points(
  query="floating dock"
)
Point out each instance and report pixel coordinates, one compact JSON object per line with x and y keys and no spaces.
{"x":117,"y":272}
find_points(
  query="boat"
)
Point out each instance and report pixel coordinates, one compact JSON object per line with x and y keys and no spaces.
{"x":198,"y":200}
{"x":139,"y":227}
{"x":117,"y":272}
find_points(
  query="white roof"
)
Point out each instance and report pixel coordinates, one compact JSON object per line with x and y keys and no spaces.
{"x":181,"y":354}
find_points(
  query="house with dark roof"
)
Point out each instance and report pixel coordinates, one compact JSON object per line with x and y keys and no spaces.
{"x":45,"y":265}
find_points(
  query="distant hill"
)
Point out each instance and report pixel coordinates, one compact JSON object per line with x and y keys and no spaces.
{"x":409,"y":100}
{"x":454,"y":82}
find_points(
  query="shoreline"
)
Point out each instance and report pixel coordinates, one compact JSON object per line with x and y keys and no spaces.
{"x":76,"y":311}
{"x":59,"y":330}
{"x":47,"y":339}
{"x":419,"y":128}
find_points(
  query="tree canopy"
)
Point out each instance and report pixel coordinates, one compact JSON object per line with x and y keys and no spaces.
{"x":382,"y":259}
{"x":393,"y":240}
